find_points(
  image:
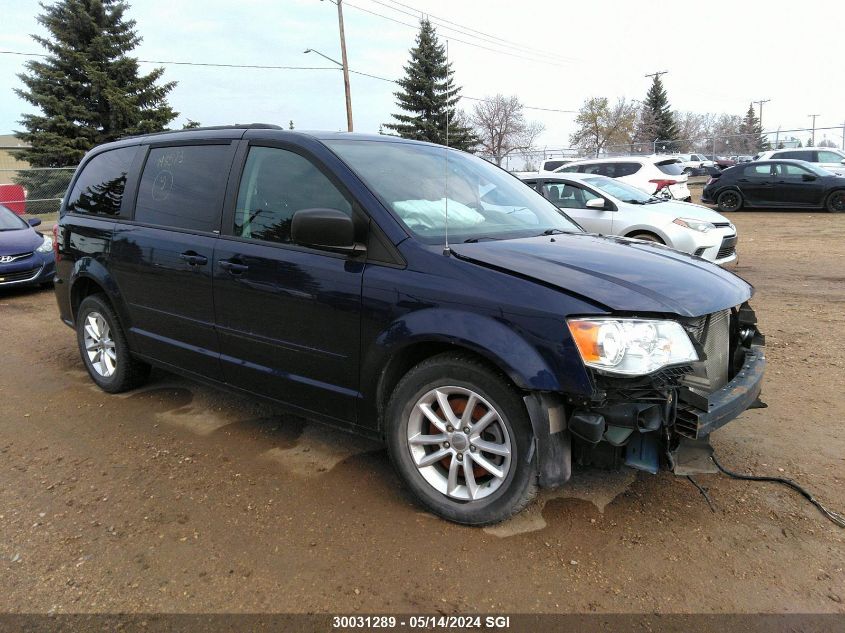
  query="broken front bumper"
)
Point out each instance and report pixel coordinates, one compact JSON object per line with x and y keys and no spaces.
{"x":700,"y":415}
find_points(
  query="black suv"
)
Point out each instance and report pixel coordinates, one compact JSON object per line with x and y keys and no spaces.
{"x":406,"y":291}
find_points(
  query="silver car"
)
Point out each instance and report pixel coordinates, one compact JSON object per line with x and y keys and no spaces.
{"x":610,"y":207}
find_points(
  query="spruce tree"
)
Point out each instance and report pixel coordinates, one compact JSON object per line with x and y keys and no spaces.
{"x":658,"y":114}
{"x":428,"y":96}
{"x":753,"y":140}
{"x":88,"y":89}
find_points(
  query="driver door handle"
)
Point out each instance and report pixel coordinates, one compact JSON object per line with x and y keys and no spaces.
{"x":193,"y":259}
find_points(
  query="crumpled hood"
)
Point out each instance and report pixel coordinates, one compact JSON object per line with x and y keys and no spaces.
{"x":22,"y":241}
{"x":622,"y":274}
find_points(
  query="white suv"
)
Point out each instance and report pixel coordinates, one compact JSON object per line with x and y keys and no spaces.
{"x":657,"y":175}
{"x":832,"y":160}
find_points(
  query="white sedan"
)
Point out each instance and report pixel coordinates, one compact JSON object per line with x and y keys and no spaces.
{"x":610,"y":207}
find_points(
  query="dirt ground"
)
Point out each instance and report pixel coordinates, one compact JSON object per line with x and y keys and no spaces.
{"x":180,"y":498}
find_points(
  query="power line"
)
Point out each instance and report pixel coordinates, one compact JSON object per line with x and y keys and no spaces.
{"x":470,"y":32}
{"x":271,"y":67}
{"x":455,"y":39}
{"x":479,"y":32}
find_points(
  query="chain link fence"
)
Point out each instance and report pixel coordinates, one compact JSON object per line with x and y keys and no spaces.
{"x":35,"y":190}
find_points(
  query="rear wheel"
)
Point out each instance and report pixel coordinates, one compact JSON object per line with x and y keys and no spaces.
{"x":729,"y":201}
{"x":104,"y":349}
{"x":460,"y":438}
{"x":836,"y":201}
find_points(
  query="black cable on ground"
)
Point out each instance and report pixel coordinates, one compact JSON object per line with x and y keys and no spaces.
{"x":835,"y":517}
{"x":703,"y":493}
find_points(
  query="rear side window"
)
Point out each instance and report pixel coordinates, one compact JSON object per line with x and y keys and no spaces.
{"x":670,"y":167}
{"x":551,"y":165}
{"x":276,"y":183}
{"x":760,"y":169}
{"x":99,"y":188}
{"x":796,"y":155}
{"x":182,"y":187}
{"x":626,"y":169}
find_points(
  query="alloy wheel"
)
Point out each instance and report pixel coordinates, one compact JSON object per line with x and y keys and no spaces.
{"x":99,"y":345}
{"x":459,"y":443}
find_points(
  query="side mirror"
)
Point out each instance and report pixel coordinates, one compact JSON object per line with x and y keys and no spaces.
{"x":807,"y":177}
{"x":843,"y":161}
{"x":328,"y":229}
{"x":596,"y":203}
{"x":34,"y":221}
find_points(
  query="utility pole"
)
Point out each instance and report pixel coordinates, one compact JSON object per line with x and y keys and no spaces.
{"x":345,"y":65}
{"x":658,"y":73}
{"x":842,"y":147}
{"x":813,"y":137}
{"x":760,"y":103}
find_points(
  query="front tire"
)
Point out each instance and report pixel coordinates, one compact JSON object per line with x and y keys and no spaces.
{"x":836,"y":201}
{"x":729,"y":200}
{"x":459,"y":436}
{"x":103,"y":347}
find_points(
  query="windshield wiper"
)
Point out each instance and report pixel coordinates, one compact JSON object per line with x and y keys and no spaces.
{"x":473,"y":240}
{"x":554,"y":232}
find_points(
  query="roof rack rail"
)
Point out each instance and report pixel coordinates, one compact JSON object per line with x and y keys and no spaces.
{"x":236,"y":126}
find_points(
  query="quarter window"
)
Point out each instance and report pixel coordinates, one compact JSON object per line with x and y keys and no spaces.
{"x":276,"y":183}
{"x":99,"y":188}
{"x":182,"y":187}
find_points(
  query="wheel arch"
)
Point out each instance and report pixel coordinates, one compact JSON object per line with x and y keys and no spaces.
{"x":89,"y":276}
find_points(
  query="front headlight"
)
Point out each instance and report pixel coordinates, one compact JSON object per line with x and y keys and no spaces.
{"x":695,"y":225}
{"x":631,"y":347}
{"x":46,"y":245}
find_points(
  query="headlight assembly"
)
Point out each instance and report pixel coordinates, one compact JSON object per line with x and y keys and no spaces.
{"x":695,"y":225}
{"x":46,"y":245}
{"x":631,"y":347}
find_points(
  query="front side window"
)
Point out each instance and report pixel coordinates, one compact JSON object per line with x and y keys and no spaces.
{"x":99,"y":188}
{"x":432,"y":189}
{"x":276,"y":183}
{"x":182,"y":187}
{"x":829,"y":157}
{"x":787,"y":170}
{"x":566,"y":196}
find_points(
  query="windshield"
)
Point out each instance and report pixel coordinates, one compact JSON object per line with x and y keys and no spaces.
{"x":819,"y":171}
{"x":10,"y":221}
{"x":421,"y":184}
{"x":620,"y":190}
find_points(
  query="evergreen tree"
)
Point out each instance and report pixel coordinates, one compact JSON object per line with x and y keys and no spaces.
{"x":88,"y":90}
{"x":657,"y":115}
{"x":428,"y":95}
{"x":752,"y":140}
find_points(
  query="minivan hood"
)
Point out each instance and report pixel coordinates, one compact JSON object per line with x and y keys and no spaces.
{"x":19,"y":241}
{"x":622,"y":274}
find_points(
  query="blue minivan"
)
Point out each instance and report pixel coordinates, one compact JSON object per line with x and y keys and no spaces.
{"x":406,"y":291}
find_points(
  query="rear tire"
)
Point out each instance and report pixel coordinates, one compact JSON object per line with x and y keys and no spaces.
{"x":103,"y":347}
{"x":836,"y":201}
{"x":729,"y":200}
{"x":473,"y":464}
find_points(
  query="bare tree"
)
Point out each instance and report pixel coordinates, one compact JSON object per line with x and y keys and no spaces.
{"x":500,"y":124}
{"x":601,"y":126}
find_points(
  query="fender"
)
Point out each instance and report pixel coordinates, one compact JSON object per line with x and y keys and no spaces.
{"x":93,"y":269}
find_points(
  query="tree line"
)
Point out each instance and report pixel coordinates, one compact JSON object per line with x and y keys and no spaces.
{"x":89,"y":90}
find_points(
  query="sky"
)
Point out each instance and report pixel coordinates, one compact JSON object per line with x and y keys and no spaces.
{"x":558,"y":53}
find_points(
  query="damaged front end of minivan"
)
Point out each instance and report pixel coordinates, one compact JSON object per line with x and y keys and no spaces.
{"x":709,"y":374}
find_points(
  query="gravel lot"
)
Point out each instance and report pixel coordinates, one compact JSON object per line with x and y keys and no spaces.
{"x":179,"y":498}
